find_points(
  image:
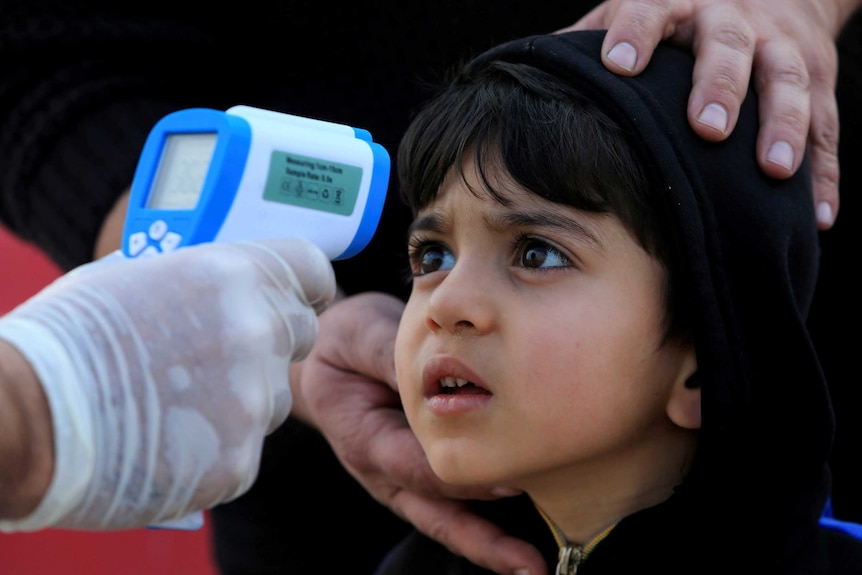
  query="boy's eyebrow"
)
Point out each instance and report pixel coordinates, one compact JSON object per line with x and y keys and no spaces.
{"x":546,"y":219}
{"x":434,"y":223}
{"x":426,"y":223}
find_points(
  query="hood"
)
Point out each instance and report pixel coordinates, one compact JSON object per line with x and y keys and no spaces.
{"x":750,"y":246}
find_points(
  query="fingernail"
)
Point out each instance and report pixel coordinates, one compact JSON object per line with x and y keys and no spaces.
{"x":522,"y":572}
{"x":781,"y":153}
{"x":824,"y":214}
{"x":505,"y":491}
{"x":715,"y":116}
{"x":624,"y":55}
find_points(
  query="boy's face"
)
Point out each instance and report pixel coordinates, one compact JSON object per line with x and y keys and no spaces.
{"x":553,"y":317}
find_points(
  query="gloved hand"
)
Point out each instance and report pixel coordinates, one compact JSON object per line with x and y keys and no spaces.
{"x":164,"y":375}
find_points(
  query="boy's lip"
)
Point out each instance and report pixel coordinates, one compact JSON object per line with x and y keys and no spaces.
{"x":444,"y":366}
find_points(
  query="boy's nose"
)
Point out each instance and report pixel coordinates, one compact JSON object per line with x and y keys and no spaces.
{"x":463,"y":303}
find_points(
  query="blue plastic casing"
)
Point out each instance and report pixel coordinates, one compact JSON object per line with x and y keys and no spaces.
{"x":201,"y":223}
{"x":247,"y":191}
{"x":376,"y":197}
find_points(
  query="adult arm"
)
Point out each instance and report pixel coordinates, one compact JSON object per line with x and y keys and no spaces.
{"x":26,"y":436}
{"x":785,"y":47}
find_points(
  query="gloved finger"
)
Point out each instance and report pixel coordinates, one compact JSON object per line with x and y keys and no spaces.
{"x":295,"y":261}
{"x":298,"y":281}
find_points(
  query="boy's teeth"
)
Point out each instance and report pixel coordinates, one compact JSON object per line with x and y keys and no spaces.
{"x":453,"y":382}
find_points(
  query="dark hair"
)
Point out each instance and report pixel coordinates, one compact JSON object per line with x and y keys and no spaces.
{"x":549,"y":137}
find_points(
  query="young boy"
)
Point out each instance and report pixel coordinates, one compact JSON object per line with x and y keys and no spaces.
{"x":609,"y":314}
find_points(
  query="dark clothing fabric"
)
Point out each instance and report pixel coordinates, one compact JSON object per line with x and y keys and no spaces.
{"x":83,"y":82}
{"x":747,"y":254}
{"x":648,"y":542}
{"x":836,"y":313}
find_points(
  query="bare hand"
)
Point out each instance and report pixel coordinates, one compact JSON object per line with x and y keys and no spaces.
{"x":786,"y":47}
{"x":346,"y":388}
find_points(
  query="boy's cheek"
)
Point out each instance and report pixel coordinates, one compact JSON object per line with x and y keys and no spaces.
{"x":404,"y":353}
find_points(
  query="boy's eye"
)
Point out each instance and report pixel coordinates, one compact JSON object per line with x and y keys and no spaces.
{"x":431,"y":258}
{"x":538,"y":254}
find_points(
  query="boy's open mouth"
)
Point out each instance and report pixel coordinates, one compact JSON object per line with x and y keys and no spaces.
{"x":458,"y":386}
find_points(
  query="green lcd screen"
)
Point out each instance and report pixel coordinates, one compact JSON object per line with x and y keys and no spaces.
{"x":182,"y":171}
{"x":312,"y":183}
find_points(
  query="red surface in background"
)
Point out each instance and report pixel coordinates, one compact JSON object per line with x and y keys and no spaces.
{"x":24,"y":271}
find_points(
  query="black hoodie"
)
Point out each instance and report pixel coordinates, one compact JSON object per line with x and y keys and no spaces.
{"x":749,"y":246}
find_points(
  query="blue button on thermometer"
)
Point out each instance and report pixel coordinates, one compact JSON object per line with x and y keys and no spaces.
{"x":206,"y":175}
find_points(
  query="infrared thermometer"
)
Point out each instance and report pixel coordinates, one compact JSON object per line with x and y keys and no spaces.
{"x":247,"y":173}
{"x":206,"y":175}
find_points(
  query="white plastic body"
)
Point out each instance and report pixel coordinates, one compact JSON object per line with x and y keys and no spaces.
{"x":251,"y":218}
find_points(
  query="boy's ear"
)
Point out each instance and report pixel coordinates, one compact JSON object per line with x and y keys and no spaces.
{"x":683,"y":406}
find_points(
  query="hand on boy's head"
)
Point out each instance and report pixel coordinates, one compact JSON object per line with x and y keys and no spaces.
{"x":785,"y":47}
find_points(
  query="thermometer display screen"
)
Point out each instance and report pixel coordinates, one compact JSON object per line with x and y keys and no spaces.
{"x":182,"y":171}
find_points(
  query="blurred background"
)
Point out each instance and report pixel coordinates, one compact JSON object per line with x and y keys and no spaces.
{"x":24,"y":271}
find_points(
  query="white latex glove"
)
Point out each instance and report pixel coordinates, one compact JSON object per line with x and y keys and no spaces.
{"x":164,"y":375}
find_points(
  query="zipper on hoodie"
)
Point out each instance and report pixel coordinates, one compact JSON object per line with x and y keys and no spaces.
{"x":570,"y":557}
